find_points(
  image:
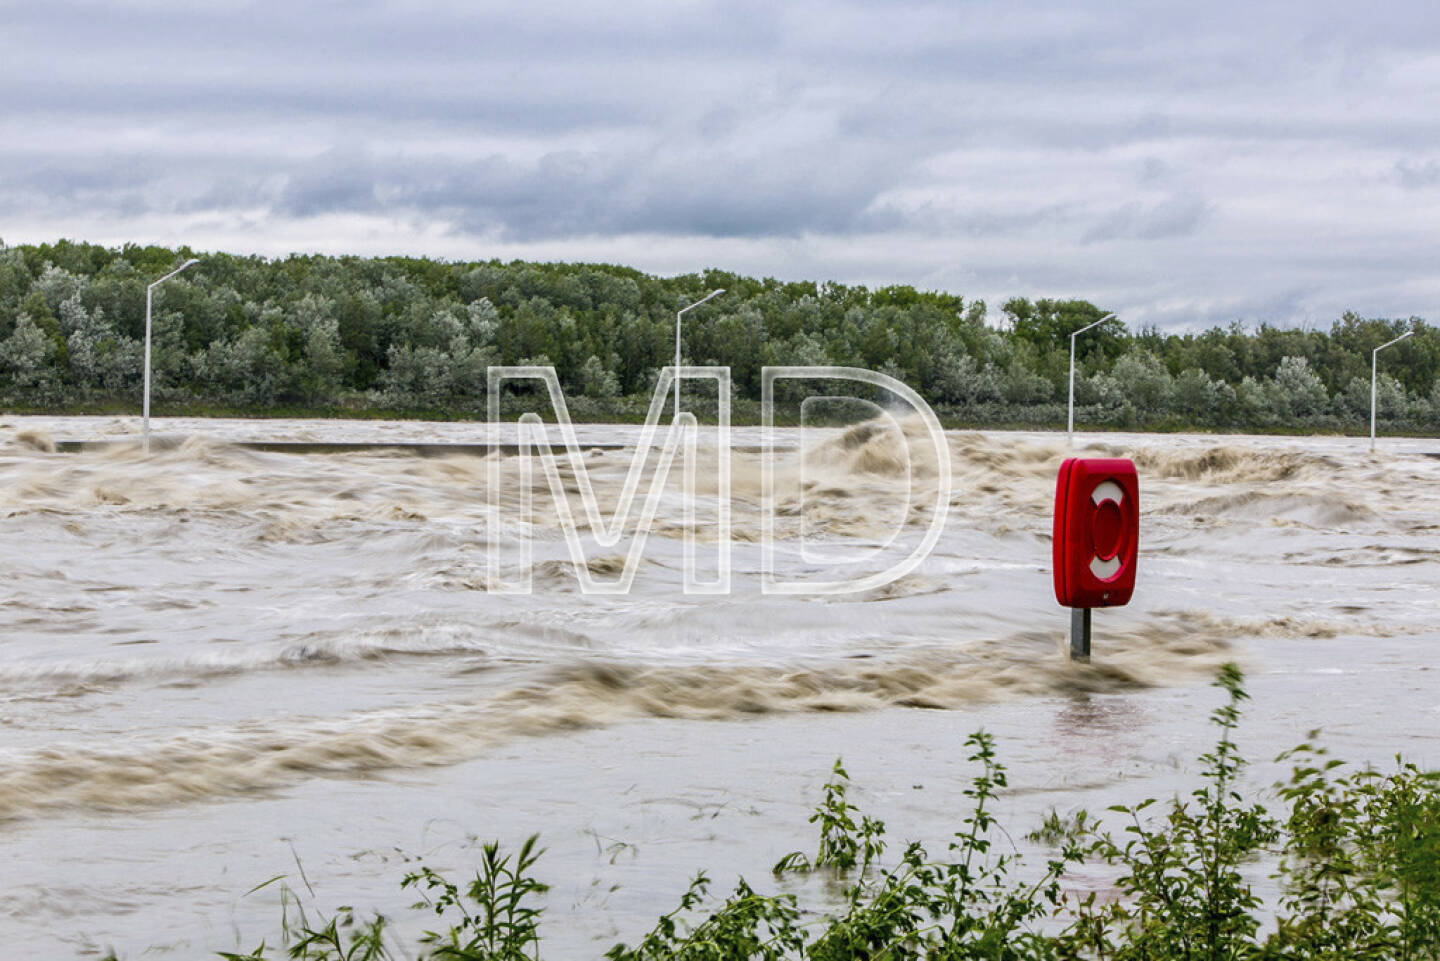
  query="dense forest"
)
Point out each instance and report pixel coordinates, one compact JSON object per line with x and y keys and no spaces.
{"x":359,"y":336}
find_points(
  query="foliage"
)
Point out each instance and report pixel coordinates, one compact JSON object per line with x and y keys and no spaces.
{"x":843,"y":844}
{"x":1361,"y":862}
{"x":396,"y":333}
{"x":1183,"y":894}
{"x":504,"y":924}
{"x":746,"y":925}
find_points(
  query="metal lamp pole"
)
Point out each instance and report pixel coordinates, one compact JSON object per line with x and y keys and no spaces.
{"x":149,"y":300}
{"x":1373,"y":355}
{"x":713,"y":293}
{"x":1070,"y":424}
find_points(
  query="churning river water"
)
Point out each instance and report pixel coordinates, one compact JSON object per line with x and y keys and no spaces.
{"x":219,"y":665}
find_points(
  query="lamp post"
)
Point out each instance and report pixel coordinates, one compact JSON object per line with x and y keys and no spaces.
{"x":1373,"y":355}
{"x":1070,"y":423}
{"x":714,"y":293}
{"x":149,"y":300}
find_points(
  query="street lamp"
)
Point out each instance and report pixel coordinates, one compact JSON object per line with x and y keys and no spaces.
{"x":713,"y":293}
{"x":1070,"y":425}
{"x":149,"y":299}
{"x":1373,"y":355}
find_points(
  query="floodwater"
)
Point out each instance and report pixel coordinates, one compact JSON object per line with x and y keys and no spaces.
{"x":220,"y":665}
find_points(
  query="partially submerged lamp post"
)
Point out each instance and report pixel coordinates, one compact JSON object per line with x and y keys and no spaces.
{"x":1070,"y":423}
{"x":1373,"y":355}
{"x":149,"y":299}
{"x":713,"y":293}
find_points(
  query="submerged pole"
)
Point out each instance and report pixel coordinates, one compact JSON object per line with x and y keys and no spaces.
{"x":1080,"y":634}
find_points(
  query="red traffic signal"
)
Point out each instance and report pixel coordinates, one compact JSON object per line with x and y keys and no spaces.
{"x":1097,"y":532}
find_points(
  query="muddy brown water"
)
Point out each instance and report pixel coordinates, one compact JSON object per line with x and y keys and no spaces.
{"x":219,"y":664}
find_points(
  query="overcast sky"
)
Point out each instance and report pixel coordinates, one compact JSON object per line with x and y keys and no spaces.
{"x":1185,"y":164}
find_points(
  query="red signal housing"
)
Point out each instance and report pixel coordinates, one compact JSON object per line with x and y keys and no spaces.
{"x":1097,"y":532}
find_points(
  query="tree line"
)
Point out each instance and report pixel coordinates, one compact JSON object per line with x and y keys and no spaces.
{"x":349,"y":334}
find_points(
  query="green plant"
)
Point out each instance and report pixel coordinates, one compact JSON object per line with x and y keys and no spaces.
{"x":746,"y":925}
{"x":963,"y":907}
{"x":504,"y":924}
{"x":1400,"y":848}
{"x":1055,"y":830}
{"x":843,"y":843}
{"x":1329,"y":906}
{"x":341,"y":939}
{"x":1361,"y":862}
{"x":1183,"y":895}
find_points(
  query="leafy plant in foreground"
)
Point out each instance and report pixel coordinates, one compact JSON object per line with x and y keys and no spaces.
{"x":1400,"y":844}
{"x":1361,"y":862}
{"x":504,"y":924}
{"x":1183,"y":895}
{"x":962,"y":907}
{"x":747,"y":925}
{"x":843,"y":844}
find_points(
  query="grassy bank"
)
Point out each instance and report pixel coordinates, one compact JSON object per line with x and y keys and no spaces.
{"x":743,"y":413}
{"x":1355,"y":852}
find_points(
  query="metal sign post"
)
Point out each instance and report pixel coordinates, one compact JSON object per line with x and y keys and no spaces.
{"x":1080,"y":634}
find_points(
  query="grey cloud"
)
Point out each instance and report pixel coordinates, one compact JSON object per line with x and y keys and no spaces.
{"x":361,"y":103}
{"x":341,"y":181}
{"x":573,"y":193}
{"x":1173,"y":217}
{"x":1417,"y":176}
{"x":382,"y":35}
{"x":1153,"y":171}
{"x":984,"y":221}
{"x":120,"y":183}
